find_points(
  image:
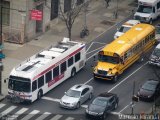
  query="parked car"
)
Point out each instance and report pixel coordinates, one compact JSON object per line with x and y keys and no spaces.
{"x":76,"y":95}
{"x":125,"y":27}
{"x":155,"y":56}
{"x":101,"y":105}
{"x":149,"y":90}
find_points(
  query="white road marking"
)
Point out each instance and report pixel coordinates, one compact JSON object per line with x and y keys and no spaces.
{"x":115,"y":113}
{"x":127,"y":77}
{"x":43,"y":116}
{"x":7,"y":111}
{"x":57,"y":117}
{"x":101,"y":43}
{"x":21,"y":111}
{"x":89,"y":47}
{"x":95,"y":50}
{"x":84,"y":106}
{"x":91,"y":56}
{"x":69,"y":118}
{"x":2,"y":105}
{"x":124,"y":108}
{"x":30,"y":115}
{"x":88,"y":81}
{"x":51,"y":99}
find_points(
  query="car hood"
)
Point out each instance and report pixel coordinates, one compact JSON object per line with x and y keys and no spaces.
{"x":69,"y":99}
{"x":144,"y":92}
{"x":142,"y":14}
{"x":96,"y":108}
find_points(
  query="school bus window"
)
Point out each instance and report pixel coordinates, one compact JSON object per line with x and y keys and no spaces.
{"x":56,"y":72}
{"x":110,"y":59}
{"x":48,"y":76}
{"x":63,"y":67}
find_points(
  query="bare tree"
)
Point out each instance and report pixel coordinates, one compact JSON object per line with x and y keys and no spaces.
{"x":70,"y":16}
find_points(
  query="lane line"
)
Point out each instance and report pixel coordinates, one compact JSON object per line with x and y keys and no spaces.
{"x":51,"y":99}
{"x":94,"y":50}
{"x":88,"y":81}
{"x":100,"y":43}
{"x":89,"y":47}
{"x":69,"y":118}
{"x":57,"y":117}
{"x":124,"y":108}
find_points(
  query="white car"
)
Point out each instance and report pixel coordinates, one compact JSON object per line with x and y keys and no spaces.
{"x":76,"y":95}
{"x":125,"y":27}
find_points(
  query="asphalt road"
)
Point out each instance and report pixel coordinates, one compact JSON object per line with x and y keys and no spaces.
{"x":138,"y":72}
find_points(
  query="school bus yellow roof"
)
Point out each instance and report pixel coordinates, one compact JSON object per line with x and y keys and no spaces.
{"x":128,"y":39}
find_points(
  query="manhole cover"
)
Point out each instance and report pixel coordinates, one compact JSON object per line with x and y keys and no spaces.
{"x":105,"y":22}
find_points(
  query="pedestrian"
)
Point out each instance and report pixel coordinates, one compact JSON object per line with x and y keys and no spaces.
{"x":107,"y":3}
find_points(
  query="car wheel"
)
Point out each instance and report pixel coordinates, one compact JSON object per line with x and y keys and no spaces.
{"x":115,"y":79}
{"x":115,"y":106}
{"x":90,"y":96}
{"x":73,"y":72}
{"x":78,"y":105}
{"x":104,"y":116}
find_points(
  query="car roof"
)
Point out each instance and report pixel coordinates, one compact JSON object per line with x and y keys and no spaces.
{"x":131,"y":23}
{"x":79,"y":87}
{"x":153,"y":82}
{"x":107,"y":94}
{"x":158,"y":46}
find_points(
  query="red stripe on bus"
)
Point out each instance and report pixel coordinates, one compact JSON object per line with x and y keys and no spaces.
{"x":56,"y":64}
{"x":55,"y":80}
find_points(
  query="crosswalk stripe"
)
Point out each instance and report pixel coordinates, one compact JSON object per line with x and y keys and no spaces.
{"x":7,"y":111}
{"x":21,"y":111}
{"x":30,"y":115}
{"x":43,"y":116}
{"x":70,"y":118}
{"x":57,"y":117}
{"x":2,"y":105}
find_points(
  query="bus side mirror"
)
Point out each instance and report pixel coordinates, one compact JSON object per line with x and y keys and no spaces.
{"x":94,"y":58}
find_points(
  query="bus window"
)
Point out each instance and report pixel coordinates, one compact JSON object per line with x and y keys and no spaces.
{"x":110,"y":59}
{"x":63,"y":67}
{"x":70,"y":61}
{"x":48,"y":76}
{"x":34,"y":85}
{"x":56,"y":72}
{"x":41,"y":81}
{"x":77,"y":57}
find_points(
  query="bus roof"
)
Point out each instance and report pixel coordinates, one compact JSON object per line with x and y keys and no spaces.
{"x":128,"y":39}
{"x":47,"y":59}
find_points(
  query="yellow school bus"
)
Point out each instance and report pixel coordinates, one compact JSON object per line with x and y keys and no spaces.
{"x":121,"y":53}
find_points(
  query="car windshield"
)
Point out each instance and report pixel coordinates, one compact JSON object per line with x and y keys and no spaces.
{"x":144,"y":9}
{"x":109,"y":59}
{"x":100,"y":101}
{"x":124,"y":29}
{"x":149,"y":86}
{"x":73,"y":93}
{"x":158,"y":29}
{"x":20,"y":85}
{"x":156,"y":52}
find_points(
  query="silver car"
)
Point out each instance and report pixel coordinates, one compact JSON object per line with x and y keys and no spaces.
{"x":76,"y":95}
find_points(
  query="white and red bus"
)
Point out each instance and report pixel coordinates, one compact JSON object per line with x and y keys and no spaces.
{"x":45,"y":70}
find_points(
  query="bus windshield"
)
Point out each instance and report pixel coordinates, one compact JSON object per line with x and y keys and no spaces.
{"x":144,"y":9}
{"x":109,"y":59}
{"x":20,"y":85}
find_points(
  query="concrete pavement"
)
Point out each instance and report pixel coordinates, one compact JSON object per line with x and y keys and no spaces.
{"x":99,"y":19}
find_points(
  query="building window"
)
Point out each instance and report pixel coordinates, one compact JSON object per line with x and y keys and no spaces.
{"x":5,"y":12}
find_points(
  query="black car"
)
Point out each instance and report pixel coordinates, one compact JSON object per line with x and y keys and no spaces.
{"x":101,"y":105}
{"x":149,"y":90}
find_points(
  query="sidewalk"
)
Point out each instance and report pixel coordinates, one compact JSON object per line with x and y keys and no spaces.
{"x":99,"y":19}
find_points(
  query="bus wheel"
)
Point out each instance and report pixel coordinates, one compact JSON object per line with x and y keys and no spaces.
{"x":39,"y":95}
{"x":73,"y":72}
{"x":115,"y":79}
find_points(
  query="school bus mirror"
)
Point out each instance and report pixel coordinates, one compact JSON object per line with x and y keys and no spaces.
{"x":94,"y":58}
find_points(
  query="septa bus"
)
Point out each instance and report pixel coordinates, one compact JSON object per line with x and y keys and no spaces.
{"x":45,"y":70}
{"x":121,"y":53}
